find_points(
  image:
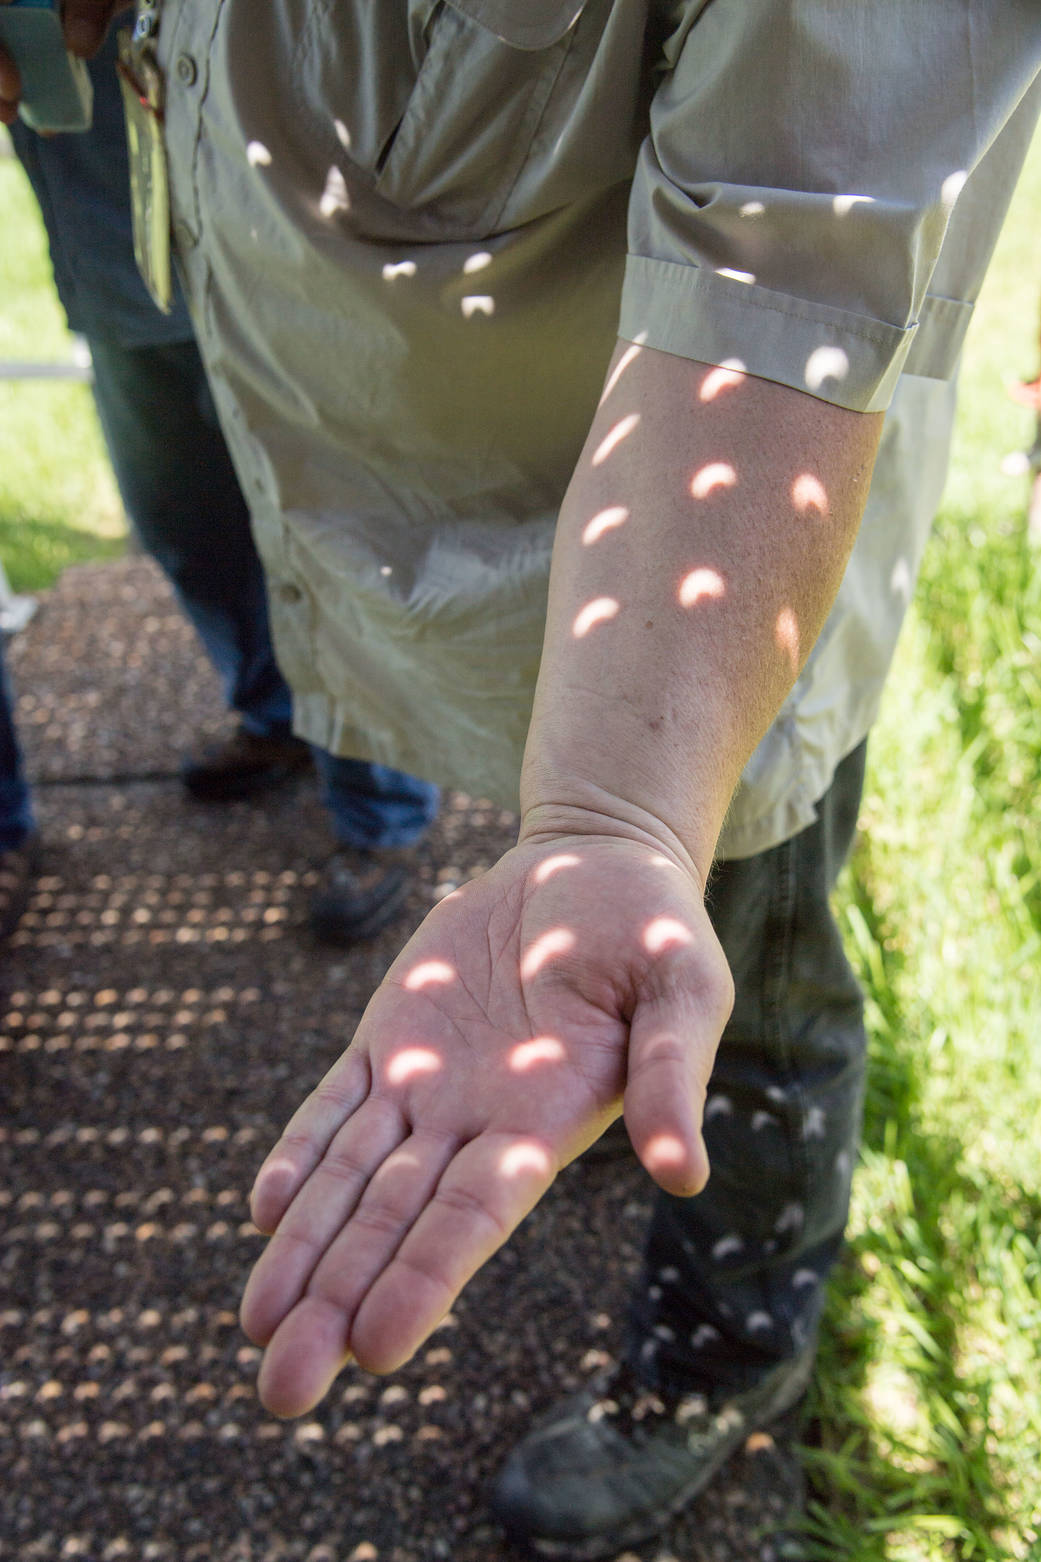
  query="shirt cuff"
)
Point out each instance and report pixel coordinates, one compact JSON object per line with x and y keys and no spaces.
{"x":848,"y":359}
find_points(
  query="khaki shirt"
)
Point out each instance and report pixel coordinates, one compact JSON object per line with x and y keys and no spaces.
{"x":411,"y":231}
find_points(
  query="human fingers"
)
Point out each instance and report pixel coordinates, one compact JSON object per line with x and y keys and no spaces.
{"x":291,"y":1381}
{"x":306,"y":1137}
{"x":10,"y":86}
{"x":673,"y":1037}
{"x":86,"y":23}
{"x":487,"y":1189}
{"x":321,"y":1209}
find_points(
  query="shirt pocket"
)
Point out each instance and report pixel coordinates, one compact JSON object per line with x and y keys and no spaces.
{"x":480,"y":95}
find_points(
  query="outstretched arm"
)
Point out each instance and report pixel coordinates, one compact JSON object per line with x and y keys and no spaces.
{"x":699,"y":547}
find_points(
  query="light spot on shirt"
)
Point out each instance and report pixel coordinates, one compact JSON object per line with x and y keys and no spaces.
{"x":476,"y":262}
{"x":399,"y":268}
{"x":343,"y":135}
{"x":727,"y":1247}
{"x":757,"y":1321}
{"x":803,"y":1278}
{"x":752,"y":209}
{"x":825,"y":363}
{"x":762,"y":1120}
{"x":900,"y":580}
{"x":334,"y":197}
{"x":477,"y":304}
{"x":952,"y":187}
{"x":790,"y":1218}
{"x":842,"y":205}
{"x":735,"y":276}
{"x":258,"y":155}
{"x":718,"y":1106}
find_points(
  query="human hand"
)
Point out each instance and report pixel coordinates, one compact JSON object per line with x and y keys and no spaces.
{"x":85,"y":23}
{"x":578,"y":974}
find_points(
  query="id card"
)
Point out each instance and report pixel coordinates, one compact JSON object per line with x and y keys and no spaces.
{"x":142,"y":86}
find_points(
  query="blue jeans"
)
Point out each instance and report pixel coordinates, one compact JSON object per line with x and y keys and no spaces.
{"x":16,"y":811}
{"x":733,"y":1279}
{"x":180,"y":491}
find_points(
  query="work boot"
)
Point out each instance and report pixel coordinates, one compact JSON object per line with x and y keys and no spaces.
{"x":242,"y":765}
{"x":611,"y":1466}
{"x":18,"y":866}
{"x":358,"y":894}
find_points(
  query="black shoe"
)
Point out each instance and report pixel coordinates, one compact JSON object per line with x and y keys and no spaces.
{"x":18,"y":866}
{"x":359,"y":893}
{"x":243,"y":765}
{"x":611,"y":1466}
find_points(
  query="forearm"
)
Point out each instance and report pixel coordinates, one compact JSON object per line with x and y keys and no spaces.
{"x":699,"y":549}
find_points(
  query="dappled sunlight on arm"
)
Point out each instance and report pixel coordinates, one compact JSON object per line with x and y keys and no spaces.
{"x":521,"y":1158}
{"x":725,"y":377}
{"x":411,"y":1062}
{"x":605,"y":521}
{"x":700,"y":585}
{"x":631,"y":353}
{"x":429,"y":973}
{"x":715,"y":474}
{"x":597,"y":612}
{"x":558,"y":941}
{"x":809,"y":493}
{"x":552,"y":865}
{"x":666,"y":933}
{"x":786,"y":637}
{"x":527,"y":1055}
{"x":622,"y":429}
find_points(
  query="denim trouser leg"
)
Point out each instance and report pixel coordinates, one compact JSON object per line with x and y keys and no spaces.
{"x":733,"y":1278}
{"x":373,"y":805}
{"x":16,"y":812}
{"x":180,"y":491}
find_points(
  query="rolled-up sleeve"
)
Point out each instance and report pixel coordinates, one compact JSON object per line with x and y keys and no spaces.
{"x":803,"y":161}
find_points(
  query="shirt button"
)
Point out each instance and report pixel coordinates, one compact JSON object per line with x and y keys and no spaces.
{"x":187,"y":70}
{"x":289,"y":593}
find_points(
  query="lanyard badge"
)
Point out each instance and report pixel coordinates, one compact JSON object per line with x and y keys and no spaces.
{"x":142,"y":85}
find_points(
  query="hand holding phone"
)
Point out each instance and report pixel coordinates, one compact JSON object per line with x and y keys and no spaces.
{"x":53,"y":88}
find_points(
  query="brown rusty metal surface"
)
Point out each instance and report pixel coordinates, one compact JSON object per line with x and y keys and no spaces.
{"x":162,"y":1011}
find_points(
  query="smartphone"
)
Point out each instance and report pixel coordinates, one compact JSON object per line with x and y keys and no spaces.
{"x":56,"y":88}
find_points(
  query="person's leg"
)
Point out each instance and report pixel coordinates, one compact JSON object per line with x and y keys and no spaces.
{"x":182,"y":495}
{"x":17,"y":824}
{"x":722,"y":1328}
{"x":376,"y":813}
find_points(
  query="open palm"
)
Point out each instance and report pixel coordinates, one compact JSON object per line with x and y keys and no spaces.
{"x":529,"y":1005}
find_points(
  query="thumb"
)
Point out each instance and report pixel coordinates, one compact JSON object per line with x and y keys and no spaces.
{"x":86,"y":23}
{"x":672,"y":1047}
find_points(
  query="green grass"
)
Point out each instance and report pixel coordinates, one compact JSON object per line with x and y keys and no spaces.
{"x":929,"y":1404}
{"x":58,"y":500}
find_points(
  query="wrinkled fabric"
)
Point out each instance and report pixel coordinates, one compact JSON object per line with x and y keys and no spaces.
{"x":411,"y":231}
